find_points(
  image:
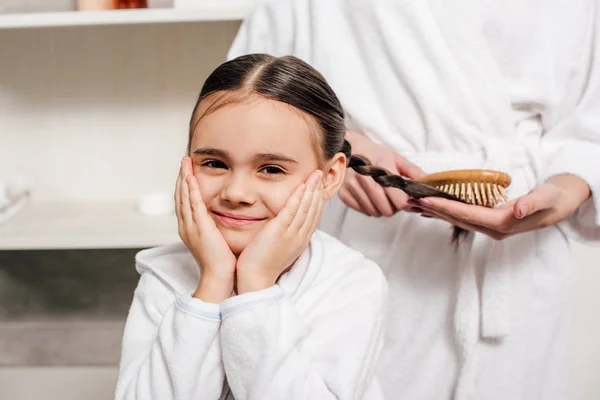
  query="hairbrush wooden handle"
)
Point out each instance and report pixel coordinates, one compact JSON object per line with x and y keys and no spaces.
{"x":468,"y":175}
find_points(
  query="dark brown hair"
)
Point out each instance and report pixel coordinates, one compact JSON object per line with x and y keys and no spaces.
{"x":291,"y":81}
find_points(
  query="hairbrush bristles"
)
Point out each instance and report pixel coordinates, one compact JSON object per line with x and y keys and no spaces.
{"x":472,"y":186}
{"x":479,"y":187}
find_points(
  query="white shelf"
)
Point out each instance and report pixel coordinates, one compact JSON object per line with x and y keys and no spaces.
{"x":207,"y":10}
{"x":85,"y":226}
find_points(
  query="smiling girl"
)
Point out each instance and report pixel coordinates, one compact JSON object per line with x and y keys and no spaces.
{"x":254,"y":304}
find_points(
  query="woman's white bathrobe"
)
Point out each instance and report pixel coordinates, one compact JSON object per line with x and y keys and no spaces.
{"x":510,"y":85}
{"x":317,"y":334}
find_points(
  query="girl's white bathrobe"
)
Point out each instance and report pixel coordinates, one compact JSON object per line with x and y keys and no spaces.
{"x":317,"y":334}
{"x":511,"y":85}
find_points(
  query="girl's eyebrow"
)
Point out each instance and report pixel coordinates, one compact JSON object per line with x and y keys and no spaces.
{"x":211,"y":152}
{"x":273,"y":157}
{"x":260,"y":157}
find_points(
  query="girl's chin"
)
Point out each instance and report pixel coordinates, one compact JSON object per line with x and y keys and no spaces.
{"x":237,"y":245}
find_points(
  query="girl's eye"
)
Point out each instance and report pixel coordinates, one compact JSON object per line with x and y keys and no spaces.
{"x":272,"y":170}
{"x":214,"y":164}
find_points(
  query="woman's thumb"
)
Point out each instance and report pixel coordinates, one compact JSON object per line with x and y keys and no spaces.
{"x":540,"y":198}
{"x":408,"y":169}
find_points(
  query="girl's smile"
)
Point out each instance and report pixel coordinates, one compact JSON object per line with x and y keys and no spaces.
{"x":232,"y":220}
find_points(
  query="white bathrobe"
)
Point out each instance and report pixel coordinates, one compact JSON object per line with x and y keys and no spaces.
{"x":512,"y":85}
{"x":317,"y":334}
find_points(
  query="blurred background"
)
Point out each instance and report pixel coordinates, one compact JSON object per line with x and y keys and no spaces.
{"x":94,"y":107}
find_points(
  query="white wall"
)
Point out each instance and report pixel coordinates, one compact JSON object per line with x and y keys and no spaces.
{"x":80,"y":106}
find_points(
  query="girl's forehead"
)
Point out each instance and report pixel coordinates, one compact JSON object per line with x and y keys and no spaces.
{"x":255,"y":124}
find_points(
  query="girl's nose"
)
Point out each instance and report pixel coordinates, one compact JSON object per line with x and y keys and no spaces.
{"x":237,"y":189}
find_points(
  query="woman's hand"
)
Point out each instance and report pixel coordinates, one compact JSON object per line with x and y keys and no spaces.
{"x":283,"y":239}
{"x":200,"y":234}
{"x":547,"y":204}
{"x":362,"y":193}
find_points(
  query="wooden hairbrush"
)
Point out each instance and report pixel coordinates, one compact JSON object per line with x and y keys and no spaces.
{"x":479,"y":187}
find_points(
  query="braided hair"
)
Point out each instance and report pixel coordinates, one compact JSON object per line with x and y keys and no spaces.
{"x":294,"y":82}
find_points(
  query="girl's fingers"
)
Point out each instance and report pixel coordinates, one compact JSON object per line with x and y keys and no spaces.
{"x":306,"y":202}
{"x":317,"y":217}
{"x":186,"y":166}
{"x":178,"y":197}
{"x":186,"y":209}
{"x":196,"y":203}
{"x":288,"y":212}
{"x":312,"y":214}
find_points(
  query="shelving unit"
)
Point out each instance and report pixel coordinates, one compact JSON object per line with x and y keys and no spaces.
{"x":93,"y":112}
{"x":85,"y":225}
{"x":213,"y":10}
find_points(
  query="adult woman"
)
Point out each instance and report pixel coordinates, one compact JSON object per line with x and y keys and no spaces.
{"x":464,"y":84}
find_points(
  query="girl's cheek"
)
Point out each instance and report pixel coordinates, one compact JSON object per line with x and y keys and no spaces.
{"x":276,"y":199}
{"x":207,"y":188}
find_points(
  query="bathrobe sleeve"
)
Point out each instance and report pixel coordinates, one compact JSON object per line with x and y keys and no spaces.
{"x":269,"y":29}
{"x":572,"y":145}
{"x":271,"y":352}
{"x":171,"y":346}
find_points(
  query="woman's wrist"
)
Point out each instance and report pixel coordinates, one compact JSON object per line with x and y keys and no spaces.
{"x":574,"y":191}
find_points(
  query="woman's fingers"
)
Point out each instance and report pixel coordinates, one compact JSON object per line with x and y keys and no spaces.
{"x":541,"y":198}
{"x":360,"y":196}
{"x":494,"y":218}
{"x":375,"y":196}
{"x":429,"y":212}
{"x":408,"y":169}
{"x":349,"y":200}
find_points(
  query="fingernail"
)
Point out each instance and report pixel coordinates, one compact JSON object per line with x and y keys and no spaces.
{"x":425,"y":202}
{"x":522,"y":212}
{"x":316,"y":176}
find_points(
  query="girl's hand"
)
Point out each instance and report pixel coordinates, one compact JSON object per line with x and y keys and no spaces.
{"x":547,"y":204}
{"x":200,"y":234}
{"x":283,"y":239}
